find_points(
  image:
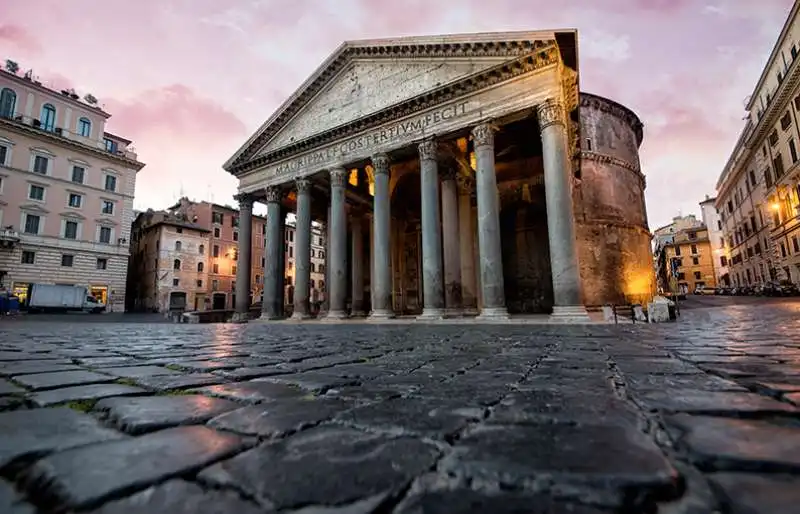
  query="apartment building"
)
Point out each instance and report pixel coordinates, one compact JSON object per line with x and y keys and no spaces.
{"x":713,"y":223}
{"x":664,"y":249}
{"x":222,"y":254}
{"x":758,"y":199}
{"x":66,"y":191}
{"x":168,"y":265}
{"x":689,"y":259}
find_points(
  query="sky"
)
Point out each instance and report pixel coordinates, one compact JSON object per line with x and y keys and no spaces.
{"x":190,"y":80}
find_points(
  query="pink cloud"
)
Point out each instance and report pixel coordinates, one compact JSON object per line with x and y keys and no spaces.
{"x":19,"y":38}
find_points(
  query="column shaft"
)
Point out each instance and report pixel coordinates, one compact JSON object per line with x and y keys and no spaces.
{"x":302,"y":250}
{"x":357,"y":270}
{"x":432,"y":276}
{"x":273,"y":255}
{"x":338,"y":246}
{"x":243,"y":269}
{"x":490,"y":249}
{"x":466,"y":241}
{"x":381,"y":280}
{"x":560,"y":216}
{"x":284,"y":254}
{"x":451,"y":248}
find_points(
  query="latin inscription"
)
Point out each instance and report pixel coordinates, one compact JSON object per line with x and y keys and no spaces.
{"x":371,"y":140}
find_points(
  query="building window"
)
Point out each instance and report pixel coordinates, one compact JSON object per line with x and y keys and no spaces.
{"x":67,"y":260}
{"x":36,"y":193}
{"x":321,"y":255}
{"x":777,"y":164}
{"x":235,"y":236}
{"x":695,"y":261}
{"x":85,"y":127}
{"x":692,"y":235}
{"x":111,"y":145}
{"x":75,"y":200}
{"x":105,"y":235}
{"x":216,"y":232}
{"x":215,"y":285}
{"x":201,"y":249}
{"x":179,"y":230}
{"x":291,"y":252}
{"x":773,"y":138}
{"x":32,"y":222}
{"x":48,"y":118}
{"x":783,"y":250}
{"x":786,"y":121}
{"x":199,"y":283}
{"x":258,"y":279}
{"x":723,"y":261}
{"x":215,"y":269}
{"x":321,"y":268}
{"x":311,"y":266}
{"x":8,"y":102}
{"x":28,"y":257}
{"x":217,"y":217}
{"x":40,"y":164}
{"x":233,"y":285}
{"x":102,"y":263}
{"x":697,"y":275}
{"x":108,"y":207}
{"x":111,"y":183}
{"x":694,"y":249}
{"x":796,"y":244}
{"x":176,"y":264}
{"x":233,"y":269}
{"x":3,"y":155}
{"x":215,"y":251}
{"x":178,"y":246}
{"x":200,"y":267}
{"x":793,"y":151}
{"x":78,"y":174}
{"x":677,"y":250}
{"x":312,"y":284}
{"x":71,"y":230}
{"x":175,"y":282}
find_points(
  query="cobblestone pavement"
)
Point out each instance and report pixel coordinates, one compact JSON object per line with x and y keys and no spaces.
{"x":694,"y":417}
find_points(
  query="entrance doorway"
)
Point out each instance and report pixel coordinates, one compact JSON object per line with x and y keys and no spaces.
{"x":177,"y":301}
{"x":218,"y":301}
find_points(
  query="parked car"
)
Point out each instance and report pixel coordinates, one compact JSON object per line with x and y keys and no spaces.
{"x":706,"y":290}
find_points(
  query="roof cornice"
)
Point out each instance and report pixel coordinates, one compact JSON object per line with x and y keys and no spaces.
{"x":514,"y":45}
{"x":35,"y":84}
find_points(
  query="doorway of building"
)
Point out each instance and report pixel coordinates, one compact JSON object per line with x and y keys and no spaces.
{"x":177,"y":301}
{"x":218,"y":301}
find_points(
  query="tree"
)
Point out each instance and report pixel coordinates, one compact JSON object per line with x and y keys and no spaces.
{"x":12,"y":66}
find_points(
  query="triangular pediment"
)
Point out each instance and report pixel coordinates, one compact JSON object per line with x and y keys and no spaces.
{"x":73,"y":215}
{"x":33,"y":208}
{"x":363,"y":78}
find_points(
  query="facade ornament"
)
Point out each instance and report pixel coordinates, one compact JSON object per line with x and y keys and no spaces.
{"x":483,"y":134}
{"x":273,"y":194}
{"x":428,"y":150}
{"x":245,"y":200}
{"x":302,"y":185}
{"x":465,"y":183}
{"x":380,"y":164}
{"x":338,"y":177}
{"x":551,"y":112}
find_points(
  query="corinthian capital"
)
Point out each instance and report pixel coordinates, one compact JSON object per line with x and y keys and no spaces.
{"x":245,"y":201}
{"x":302,"y":185}
{"x":551,"y":112}
{"x":273,"y":194}
{"x":338,"y":176}
{"x":427,"y":150}
{"x":483,"y":135}
{"x":380,"y":163}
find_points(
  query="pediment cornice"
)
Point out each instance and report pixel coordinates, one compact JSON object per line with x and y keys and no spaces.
{"x":543,"y":55}
{"x":33,"y":208}
{"x":521,"y":52}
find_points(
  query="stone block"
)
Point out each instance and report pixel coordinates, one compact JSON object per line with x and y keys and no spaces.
{"x":10,"y":501}
{"x":252,"y":391}
{"x":42,"y":381}
{"x":278,"y":418}
{"x":145,"y":414}
{"x":86,"y":392}
{"x":746,"y":493}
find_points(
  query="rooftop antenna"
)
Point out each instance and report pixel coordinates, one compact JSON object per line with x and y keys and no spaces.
{"x":181,"y":190}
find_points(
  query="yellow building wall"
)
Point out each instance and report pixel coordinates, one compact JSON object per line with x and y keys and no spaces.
{"x":705,"y":261}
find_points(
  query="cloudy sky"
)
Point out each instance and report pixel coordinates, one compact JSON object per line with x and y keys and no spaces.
{"x":189,"y":80}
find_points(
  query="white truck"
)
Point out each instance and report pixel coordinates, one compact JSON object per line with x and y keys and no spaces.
{"x":62,"y":298}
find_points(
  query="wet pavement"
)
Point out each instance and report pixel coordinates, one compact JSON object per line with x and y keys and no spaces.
{"x":698,"y":416}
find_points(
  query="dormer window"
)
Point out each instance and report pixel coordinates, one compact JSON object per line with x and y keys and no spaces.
{"x":85,"y":127}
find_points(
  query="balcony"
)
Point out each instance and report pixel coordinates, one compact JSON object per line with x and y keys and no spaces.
{"x":9,"y":238}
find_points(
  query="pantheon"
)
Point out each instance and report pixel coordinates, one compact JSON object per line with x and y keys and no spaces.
{"x":460,"y":175}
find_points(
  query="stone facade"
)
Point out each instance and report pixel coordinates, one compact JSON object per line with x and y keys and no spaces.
{"x":66,"y":192}
{"x":492,"y":186}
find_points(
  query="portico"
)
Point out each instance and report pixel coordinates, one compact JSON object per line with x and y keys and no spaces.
{"x":438,"y":165}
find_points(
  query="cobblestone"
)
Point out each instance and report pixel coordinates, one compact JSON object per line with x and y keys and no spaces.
{"x":694,"y":417}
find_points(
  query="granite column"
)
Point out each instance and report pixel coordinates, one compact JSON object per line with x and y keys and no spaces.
{"x":466,"y":240}
{"x":381,"y":279}
{"x":560,"y":216}
{"x":450,"y":243}
{"x":490,"y":250}
{"x":357,"y":267}
{"x":272,"y":305}
{"x":245,"y":253}
{"x":302,"y":250}
{"x":432,"y":275}
{"x":337,"y":246}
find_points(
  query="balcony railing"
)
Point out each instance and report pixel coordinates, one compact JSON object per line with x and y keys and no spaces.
{"x":9,"y":238}
{"x":36,"y":123}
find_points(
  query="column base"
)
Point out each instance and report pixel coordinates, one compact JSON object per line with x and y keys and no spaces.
{"x":269,"y":317}
{"x":493,"y":314}
{"x":380,"y":315}
{"x":358,"y":314}
{"x":471,"y":311}
{"x":300,"y":316}
{"x":335,"y":316}
{"x":431,"y":315}
{"x":570,"y":314}
{"x":240,"y":317}
{"x":454,"y":312}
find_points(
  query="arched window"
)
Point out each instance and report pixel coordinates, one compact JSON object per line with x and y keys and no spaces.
{"x":48,"y":118}
{"x":176,"y":264}
{"x":201,"y":249}
{"x":85,"y":127}
{"x":200,"y":267}
{"x":312,"y":268}
{"x":177,"y":246}
{"x":8,"y":102}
